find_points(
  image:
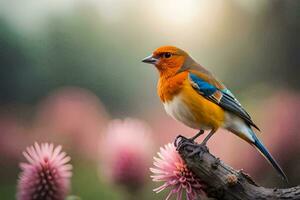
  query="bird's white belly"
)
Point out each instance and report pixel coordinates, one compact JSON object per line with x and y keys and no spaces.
{"x":181,"y":112}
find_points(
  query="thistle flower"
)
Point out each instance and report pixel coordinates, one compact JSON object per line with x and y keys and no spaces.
{"x":171,"y":169}
{"x":125,"y":153}
{"x":46,"y":175}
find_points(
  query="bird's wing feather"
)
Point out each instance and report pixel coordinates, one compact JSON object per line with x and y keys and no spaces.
{"x":216,"y":92}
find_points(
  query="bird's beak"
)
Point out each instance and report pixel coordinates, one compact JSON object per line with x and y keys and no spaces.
{"x":150,"y":60}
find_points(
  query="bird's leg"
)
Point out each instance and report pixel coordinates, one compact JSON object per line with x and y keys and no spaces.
{"x":197,"y":135}
{"x":201,"y":148}
{"x":208,"y":137}
{"x":182,"y":141}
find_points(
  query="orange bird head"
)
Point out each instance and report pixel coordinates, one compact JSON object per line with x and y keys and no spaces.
{"x":169,"y":60}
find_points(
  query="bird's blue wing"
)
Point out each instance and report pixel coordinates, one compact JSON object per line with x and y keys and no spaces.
{"x":223,"y":97}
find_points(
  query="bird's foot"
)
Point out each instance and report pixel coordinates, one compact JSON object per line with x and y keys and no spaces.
{"x":183,"y":142}
{"x":190,"y":145}
{"x":179,"y":139}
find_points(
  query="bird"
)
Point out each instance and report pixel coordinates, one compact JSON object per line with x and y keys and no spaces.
{"x":193,"y":96}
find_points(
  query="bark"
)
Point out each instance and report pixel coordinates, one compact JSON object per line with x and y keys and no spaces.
{"x":225,"y":183}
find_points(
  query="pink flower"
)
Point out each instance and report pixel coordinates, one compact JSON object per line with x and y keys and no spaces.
{"x":46,"y":175}
{"x":172,"y":170}
{"x":126,"y":150}
{"x":74,"y":116}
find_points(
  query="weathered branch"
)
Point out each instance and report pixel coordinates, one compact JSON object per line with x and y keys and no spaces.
{"x":225,"y":183}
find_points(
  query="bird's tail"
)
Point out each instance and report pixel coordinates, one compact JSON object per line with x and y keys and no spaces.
{"x":263,"y":150}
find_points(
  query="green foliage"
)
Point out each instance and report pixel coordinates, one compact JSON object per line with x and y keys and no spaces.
{"x":87,"y":185}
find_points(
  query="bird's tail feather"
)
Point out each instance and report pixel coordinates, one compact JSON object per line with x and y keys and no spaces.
{"x":263,"y":150}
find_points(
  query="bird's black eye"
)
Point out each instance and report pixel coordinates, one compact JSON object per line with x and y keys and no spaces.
{"x":167,"y":55}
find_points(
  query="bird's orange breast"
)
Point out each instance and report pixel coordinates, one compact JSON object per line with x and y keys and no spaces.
{"x":168,"y":87}
{"x":200,"y":113}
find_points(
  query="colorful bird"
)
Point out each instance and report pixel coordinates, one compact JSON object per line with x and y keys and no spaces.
{"x":193,"y":96}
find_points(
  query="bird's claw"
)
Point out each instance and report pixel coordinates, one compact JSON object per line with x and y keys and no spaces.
{"x":190,"y":145}
{"x":183,"y":142}
{"x":178,"y":140}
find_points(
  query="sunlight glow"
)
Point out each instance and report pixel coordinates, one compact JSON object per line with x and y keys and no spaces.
{"x":183,"y":14}
{"x":177,"y":11}
{"x":186,"y":19}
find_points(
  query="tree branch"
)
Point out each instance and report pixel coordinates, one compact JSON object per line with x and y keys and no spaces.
{"x":222,"y":181}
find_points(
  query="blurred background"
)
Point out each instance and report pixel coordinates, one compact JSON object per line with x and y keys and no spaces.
{"x":67,"y":68}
